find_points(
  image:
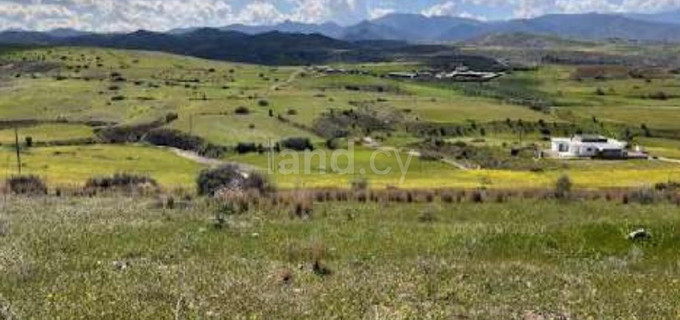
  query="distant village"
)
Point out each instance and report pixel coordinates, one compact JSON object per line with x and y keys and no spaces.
{"x":459,"y":74}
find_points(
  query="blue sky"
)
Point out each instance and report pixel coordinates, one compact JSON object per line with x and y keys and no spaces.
{"x":127,"y":15}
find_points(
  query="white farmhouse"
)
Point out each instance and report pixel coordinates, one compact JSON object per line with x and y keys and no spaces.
{"x":589,"y":146}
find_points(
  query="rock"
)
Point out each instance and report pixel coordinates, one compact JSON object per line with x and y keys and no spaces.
{"x":120,"y":265}
{"x":639,"y":234}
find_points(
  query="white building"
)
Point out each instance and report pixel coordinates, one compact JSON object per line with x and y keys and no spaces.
{"x":589,"y":146}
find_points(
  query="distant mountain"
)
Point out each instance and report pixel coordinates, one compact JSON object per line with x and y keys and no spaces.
{"x":328,"y":29}
{"x":66,"y":33}
{"x":419,"y":28}
{"x":371,"y":31}
{"x":292,"y":42}
{"x":592,"y":26}
{"x":672,"y":17}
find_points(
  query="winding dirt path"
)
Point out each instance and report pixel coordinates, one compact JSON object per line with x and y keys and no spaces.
{"x":195,"y":157}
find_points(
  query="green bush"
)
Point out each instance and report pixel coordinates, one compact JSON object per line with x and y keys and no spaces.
{"x":563,"y":187}
{"x":120,"y":181}
{"x":230,"y":177}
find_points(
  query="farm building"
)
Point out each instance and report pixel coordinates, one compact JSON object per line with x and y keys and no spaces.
{"x":589,"y":146}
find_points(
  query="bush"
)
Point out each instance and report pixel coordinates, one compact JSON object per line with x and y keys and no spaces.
{"x":563,"y":187}
{"x":230,"y":177}
{"x":246,"y":147}
{"x":180,"y":140}
{"x":659,"y":96}
{"x":29,"y":142}
{"x":120,"y":181}
{"x":127,"y":133}
{"x":263,"y":103}
{"x":28,"y":185}
{"x":297,"y":144}
{"x":242,"y":110}
{"x":171,"y":116}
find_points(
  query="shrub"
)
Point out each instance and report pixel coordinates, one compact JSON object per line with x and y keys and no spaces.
{"x":230,"y":177}
{"x":263,"y":103}
{"x":359,"y":184}
{"x":127,"y":133}
{"x":563,"y":187}
{"x":291,"y":112}
{"x":121,"y":181}
{"x":246,"y":147}
{"x":29,"y":142}
{"x":658,"y":96}
{"x":171,"y":116}
{"x":297,"y":144}
{"x":180,"y":140}
{"x":242,"y":110}
{"x":28,"y":185}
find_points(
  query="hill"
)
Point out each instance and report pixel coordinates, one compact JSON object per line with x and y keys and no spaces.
{"x":272,"y":48}
{"x":672,"y":17}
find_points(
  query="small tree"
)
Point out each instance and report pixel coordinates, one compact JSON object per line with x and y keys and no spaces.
{"x":563,"y":187}
{"x":29,"y":142}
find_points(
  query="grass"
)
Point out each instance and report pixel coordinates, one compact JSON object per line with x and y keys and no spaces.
{"x":73,"y":165}
{"x":210,"y":91}
{"x":47,"y":132}
{"x":231,"y":129}
{"x":112,"y":257}
{"x":586,"y":174}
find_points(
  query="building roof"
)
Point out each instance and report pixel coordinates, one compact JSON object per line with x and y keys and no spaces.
{"x":595,"y":141}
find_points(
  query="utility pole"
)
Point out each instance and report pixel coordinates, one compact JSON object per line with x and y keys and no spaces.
{"x":16,"y":140}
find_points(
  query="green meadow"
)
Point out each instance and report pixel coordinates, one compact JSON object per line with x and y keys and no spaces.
{"x":133,"y":87}
{"x":124,"y":257}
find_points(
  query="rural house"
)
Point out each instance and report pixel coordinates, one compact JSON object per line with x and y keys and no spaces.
{"x":589,"y":146}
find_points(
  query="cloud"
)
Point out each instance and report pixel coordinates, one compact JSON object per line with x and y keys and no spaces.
{"x":447,"y":8}
{"x":376,"y":13}
{"x":127,"y":15}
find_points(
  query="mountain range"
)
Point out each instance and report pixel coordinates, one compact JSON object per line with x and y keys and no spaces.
{"x":415,"y":28}
{"x":391,"y":36}
{"x":660,"y":27}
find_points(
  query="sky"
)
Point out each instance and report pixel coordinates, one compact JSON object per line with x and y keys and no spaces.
{"x":161,"y":15}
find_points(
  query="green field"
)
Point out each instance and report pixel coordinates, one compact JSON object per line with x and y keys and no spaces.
{"x":118,"y":257}
{"x":47,"y":133}
{"x":73,"y":165}
{"x":132,"y":87}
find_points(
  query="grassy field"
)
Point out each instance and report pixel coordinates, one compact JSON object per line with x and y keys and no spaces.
{"x":108,"y":258}
{"x":585,"y":174}
{"x":132,"y":87}
{"x":73,"y":165}
{"x":47,"y":133}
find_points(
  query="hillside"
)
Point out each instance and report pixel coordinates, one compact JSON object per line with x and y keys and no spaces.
{"x":526,"y":41}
